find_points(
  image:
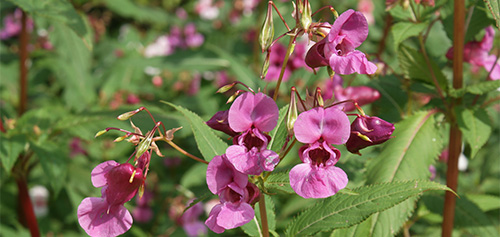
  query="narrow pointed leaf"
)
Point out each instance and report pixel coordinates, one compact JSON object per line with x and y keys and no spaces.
{"x":279,"y":133}
{"x":343,"y":210}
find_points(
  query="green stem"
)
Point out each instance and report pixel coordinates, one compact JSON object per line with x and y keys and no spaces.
{"x":173,"y":145}
{"x":263,"y":215}
{"x":283,"y":67}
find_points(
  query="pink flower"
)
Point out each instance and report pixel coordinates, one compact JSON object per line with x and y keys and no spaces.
{"x":207,"y":9}
{"x":190,"y":223}
{"x":107,"y":216}
{"x":361,"y":94}
{"x":252,"y":115}
{"x":318,"y":177}
{"x":220,"y":122}
{"x":161,"y":47}
{"x":295,"y":61}
{"x":425,"y":2}
{"x":12,"y":25}
{"x":221,"y":174}
{"x":366,"y":7}
{"x":476,"y":53}
{"x":143,"y":211}
{"x":337,"y":49}
{"x":233,"y":211}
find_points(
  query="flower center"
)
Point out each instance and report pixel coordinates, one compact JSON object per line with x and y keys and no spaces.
{"x":319,"y":156}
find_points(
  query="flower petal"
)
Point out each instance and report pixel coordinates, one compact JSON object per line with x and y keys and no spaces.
{"x":221,"y":173}
{"x":331,"y":124}
{"x":252,"y":162}
{"x":211,"y":221}
{"x":235,"y":215}
{"x":353,"y":25}
{"x":97,"y":220}
{"x":257,"y":110}
{"x":312,"y":182}
{"x":99,"y":172}
{"x":352,"y":62}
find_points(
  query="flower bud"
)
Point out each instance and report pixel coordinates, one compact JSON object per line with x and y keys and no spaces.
{"x":144,"y":145}
{"x":225,"y":88}
{"x":367,"y":131}
{"x":101,"y":132}
{"x":129,"y":114}
{"x":267,"y":33}
{"x":292,"y":113}
{"x":305,"y":18}
{"x":219,"y":122}
{"x":265,"y":65}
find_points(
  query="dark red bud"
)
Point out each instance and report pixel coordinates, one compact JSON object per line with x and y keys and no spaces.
{"x":219,"y":122}
{"x":123,"y":182}
{"x":367,"y":131}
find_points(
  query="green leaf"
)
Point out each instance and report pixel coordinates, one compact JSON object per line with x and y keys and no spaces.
{"x":10,"y":148}
{"x":58,"y":11}
{"x":253,"y":228}
{"x":484,"y":201}
{"x":127,"y":8}
{"x":404,"y":30}
{"x":494,"y":8}
{"x":476,"y":89}
{"x":342,"y":210}
{"x":72,"y":67}
{"x":209,"y":144}
{"x":361,"y":229}
{"x":414,"y":66}
{"x":475,"y":126}
{"x":54,"y":163}
{"x":415,"y":145}
{"x":280,"y":132}
{"x":278,"y":181}
{"x":467,"y":215}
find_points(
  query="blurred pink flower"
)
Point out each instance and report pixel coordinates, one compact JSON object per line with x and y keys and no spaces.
{"x":12,"y":25}
{"x":366,"y":7}
{"x":207,"y":9}
{"x":361,"y":94}
{"x":476,"y":53}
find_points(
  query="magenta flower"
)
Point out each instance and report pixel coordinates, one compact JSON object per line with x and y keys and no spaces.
{"x":295,"y":61}
{"x":143,"y":211}
{"x":252,"y":115}
{"x":361,"y":94}
{"x":190,"y":223}
{"x":107,"y":216}
{"x":221,"y":174}
{"x":337,"y":49}
{"x":317,"y":176}
{"x":368,"y":131}
{"x":233,"y":211}
{"x":476,"y":53}
{"x":12,"y":25}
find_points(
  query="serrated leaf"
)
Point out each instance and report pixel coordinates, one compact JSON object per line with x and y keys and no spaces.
{"x":474,"y":124}
{"x":361,"y":229}
{"x":476,"y":89}
{"x":209,"y":144}
{"x":467,"y":215}
{"x":414,"y":66}
{"x":494,"y":8}
{"x":10,"y":148}
{"x":54,"y":163}
{"x":278,"y":181}
{"x":404,"y":30}
{"x":280,"y":132}
{"x":254,"y":227}
{"x":415,"y":145}
{"x":58,"y":11}
{"x":342,"y":210}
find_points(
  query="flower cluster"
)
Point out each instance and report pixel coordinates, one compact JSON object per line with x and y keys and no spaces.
{"x":250,"y":116}
{"x":178,"y":38}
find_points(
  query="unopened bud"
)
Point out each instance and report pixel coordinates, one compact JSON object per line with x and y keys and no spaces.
{"x":225,"y":88}
{"x":367,"y":131}
{"x":292,"y":113}
{"x":128,"y":115}
{"x":335,"y":13}
{"x":233,"y":97}
{"x":319,"y":97}
{"x":101,"y":132}
{"x":305,"y":18}
{"x":331,"y":73}
{"x":267,"y":33}
{"x":119,"y":139}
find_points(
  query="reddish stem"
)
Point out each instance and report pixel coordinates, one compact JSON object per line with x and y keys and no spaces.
{"x":455,"y":134}
{"x":26,"y":207}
